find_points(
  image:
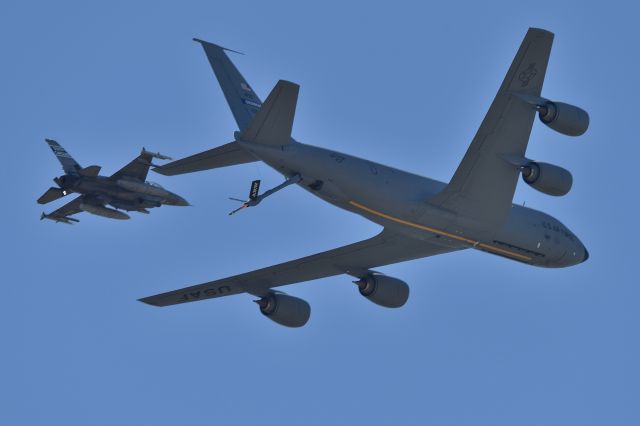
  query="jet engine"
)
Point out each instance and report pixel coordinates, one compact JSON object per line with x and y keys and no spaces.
{"x":284,"y":309}
{"x":547,"y":178}
{"x":564,"y":118}
{"x":383,"y":290}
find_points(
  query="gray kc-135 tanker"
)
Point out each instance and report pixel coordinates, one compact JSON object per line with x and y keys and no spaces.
{"x":421,"y":217}
{"x":127,"y":189}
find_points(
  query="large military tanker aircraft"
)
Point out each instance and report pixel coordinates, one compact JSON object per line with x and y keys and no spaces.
{"x":421,"y":217}
{"x":127,"y":189}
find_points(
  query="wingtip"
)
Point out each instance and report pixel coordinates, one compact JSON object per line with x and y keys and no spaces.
{"x":207,"y":43}
{"x":541,"y":31}
{"x":160,"y":171}
{"x":288,"y":83}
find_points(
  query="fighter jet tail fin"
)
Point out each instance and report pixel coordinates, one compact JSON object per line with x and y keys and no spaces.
{"x":273,"y":122}
{"x":229,"y":154}
{"x":69,"y":165}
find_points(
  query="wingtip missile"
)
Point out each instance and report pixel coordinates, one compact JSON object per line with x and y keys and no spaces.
{"x":62,"y":219}
{"x":155,"y":155}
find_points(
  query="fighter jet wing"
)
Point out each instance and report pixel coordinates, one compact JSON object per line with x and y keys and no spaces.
{"x":482,"y":187}
{"x":354,"y":259}
{"x":138,"y":168}
{"x":63,"y":213}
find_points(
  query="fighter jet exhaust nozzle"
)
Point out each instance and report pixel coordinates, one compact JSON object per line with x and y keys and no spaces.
{"x":564,"y":118}
{"x":103,"y":211}
{"x":547,"y":178}
{"x":383,"y":290}
{"x":284,"y":309}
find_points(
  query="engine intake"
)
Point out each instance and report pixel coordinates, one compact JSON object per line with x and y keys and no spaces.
{"x":383,"y":290}
{"x":564,"y":118}
{"x":284,"y":309}
{"x":547,"y":178}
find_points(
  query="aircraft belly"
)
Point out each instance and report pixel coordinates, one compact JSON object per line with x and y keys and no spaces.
{"x":339,"y":178}
{"x":398,"y":200}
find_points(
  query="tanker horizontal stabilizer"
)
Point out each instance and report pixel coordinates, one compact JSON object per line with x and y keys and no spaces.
{"x":229,"y":154}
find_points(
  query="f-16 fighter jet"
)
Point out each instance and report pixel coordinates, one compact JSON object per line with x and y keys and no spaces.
{"x":421,"y":217}
{"x":127,"y":189}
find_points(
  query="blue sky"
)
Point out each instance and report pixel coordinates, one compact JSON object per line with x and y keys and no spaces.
{"x":482,"y":340}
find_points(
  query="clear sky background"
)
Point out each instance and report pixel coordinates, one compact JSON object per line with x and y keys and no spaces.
{"x":482,"y":340}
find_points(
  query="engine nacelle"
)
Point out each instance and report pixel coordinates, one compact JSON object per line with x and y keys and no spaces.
{"x":383,"y":290}
{"x":284,"y":309}
{"x":564,"y":118}
{"x":547,"y":178}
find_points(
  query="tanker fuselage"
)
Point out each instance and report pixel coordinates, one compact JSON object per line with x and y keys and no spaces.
{"x":400,"y":200}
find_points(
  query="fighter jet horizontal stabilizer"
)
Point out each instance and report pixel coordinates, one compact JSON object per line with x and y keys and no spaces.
{"x":52,"y":194}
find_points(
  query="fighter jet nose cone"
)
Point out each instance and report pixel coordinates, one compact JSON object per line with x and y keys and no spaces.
{"x":586,"y":255}
{"x":177,"y":200}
